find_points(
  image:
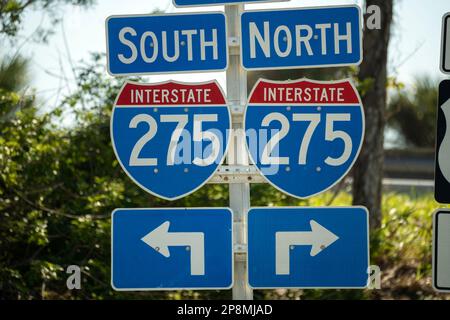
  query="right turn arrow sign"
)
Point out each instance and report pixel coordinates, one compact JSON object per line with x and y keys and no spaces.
{"x":319,"y":238}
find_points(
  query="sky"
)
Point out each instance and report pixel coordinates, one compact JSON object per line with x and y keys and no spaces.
{"x":415,"y":45}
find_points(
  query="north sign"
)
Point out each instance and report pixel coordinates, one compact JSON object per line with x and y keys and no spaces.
{"x":301,"y":38}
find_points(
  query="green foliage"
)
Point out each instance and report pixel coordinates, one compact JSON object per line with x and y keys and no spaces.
{"x":13,"y":79}
{"x":12,"y":12}
{"x":407,"y":224}
{"x":403,"y":246}
{"x":13,"y":73}
{"x":58,"y":188}
{"x":413,"y":112}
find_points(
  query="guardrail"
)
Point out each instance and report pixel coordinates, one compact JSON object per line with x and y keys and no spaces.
{"x":417,"y":164}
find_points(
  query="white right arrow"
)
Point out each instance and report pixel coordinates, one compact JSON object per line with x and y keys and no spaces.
{"x":161,"y":239}
{"x":319,"y":238}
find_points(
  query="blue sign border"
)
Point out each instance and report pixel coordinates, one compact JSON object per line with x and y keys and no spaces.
{"x":227,"y":49}
{"x":173,"y":289}
{"x":308,"y":66}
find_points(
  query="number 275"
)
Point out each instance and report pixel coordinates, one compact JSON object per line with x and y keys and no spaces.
{"x":181,"y":120}
{"x":314,"y":120}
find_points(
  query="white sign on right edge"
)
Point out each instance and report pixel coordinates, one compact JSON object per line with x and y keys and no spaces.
{"x":445,"y":54}
{"x":441,"y":251}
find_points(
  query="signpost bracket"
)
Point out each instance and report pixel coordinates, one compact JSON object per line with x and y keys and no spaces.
{"x":234,"y":42}
{"x":240,"y":248}
{"x":237,"y":110}
{"x":236,"y":175}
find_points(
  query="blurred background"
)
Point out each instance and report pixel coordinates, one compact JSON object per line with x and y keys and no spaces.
{"x":60,"y":181}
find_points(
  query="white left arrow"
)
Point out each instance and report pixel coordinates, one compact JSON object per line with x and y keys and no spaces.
{"x":161,"y":239}
{"x":319,"y":238}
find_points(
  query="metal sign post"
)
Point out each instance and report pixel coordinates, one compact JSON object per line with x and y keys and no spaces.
{"x":239,"y":193}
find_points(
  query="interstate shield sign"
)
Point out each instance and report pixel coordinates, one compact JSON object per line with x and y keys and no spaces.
{"x":170,"y":137}
{"x":304,"y":136}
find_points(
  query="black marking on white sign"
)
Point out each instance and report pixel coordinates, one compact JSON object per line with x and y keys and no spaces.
{"x":442,"y":173}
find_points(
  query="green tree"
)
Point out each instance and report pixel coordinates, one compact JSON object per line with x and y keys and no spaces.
{"x":12,"y":12}
{"x":413,"y":112}
{"x":13,"y":67}
{"x":13,"y":74}
{"x":13,"y":79}
{"x":58,"y":187}
{"x":373,"y":78}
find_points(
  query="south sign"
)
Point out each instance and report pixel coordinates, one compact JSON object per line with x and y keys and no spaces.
{"x":168,"y":43}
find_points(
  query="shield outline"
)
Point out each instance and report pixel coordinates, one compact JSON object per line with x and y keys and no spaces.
{"x":227,"y":135}
{"x":302,"y":80}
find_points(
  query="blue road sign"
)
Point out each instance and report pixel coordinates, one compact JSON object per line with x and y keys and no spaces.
{"x":170,"y":43}
{"x":195,"y":3}
{"x":169,"y":249}
{"x":317,"y":248}
{"x":304,"y":136}
{"x":170,"y":137}
{"x":301,"y":38}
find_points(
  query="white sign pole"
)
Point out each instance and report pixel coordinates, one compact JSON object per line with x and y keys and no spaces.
{"x":239,"y":193}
